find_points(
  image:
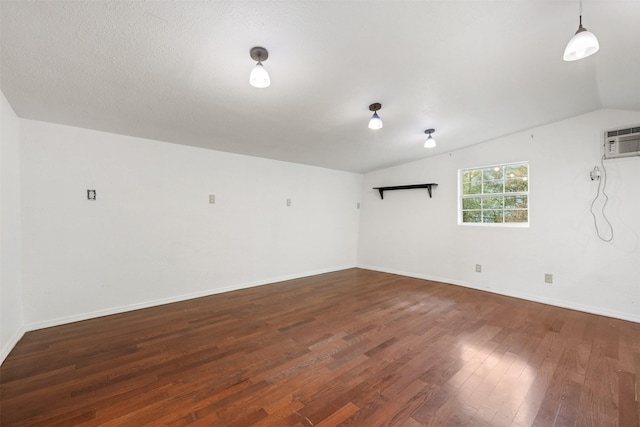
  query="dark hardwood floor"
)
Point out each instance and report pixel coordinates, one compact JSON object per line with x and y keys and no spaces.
{"x":352,"y":348}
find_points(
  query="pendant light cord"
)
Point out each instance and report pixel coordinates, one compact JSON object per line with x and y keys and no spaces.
{"x":602,"y":186}
{"x":580,"y":15}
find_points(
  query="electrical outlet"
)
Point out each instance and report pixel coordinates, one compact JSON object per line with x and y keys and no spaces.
{"x":91,"y":194}
{"x":288,"y":202}
{"x":478,"y":268}
{"x":548,"y":278}
{"x":358,"y":205}
{"x":212,"y":198}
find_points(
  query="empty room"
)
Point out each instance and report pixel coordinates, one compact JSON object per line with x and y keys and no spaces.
{"x":320,"y":213}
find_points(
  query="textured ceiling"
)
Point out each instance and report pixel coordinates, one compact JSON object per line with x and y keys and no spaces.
{"x":178,"y":72}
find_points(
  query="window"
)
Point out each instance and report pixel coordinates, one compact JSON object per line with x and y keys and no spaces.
{"x":495,"y":195}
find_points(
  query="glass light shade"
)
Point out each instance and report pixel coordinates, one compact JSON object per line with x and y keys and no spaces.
{"x":375,"y":122}
{"x":430,"y":142}
{"x":584,"y":43}
{"x":259,"y":77}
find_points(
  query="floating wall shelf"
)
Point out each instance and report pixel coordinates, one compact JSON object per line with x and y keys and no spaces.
{"x":405,"y":187}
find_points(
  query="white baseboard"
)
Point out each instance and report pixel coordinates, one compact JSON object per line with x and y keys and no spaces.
{"x":122,"y":309}
{"x":6,"y":349}
{"x":535,"y":298}
{"x":115,"y":310}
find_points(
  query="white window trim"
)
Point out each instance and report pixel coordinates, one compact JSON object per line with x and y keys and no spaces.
{"x":496,"y":224}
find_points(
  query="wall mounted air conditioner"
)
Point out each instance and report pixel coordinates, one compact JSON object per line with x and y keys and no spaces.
{"x":622,"y":142}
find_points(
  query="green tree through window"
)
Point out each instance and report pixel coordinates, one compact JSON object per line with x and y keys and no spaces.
{"x":496,"y":194}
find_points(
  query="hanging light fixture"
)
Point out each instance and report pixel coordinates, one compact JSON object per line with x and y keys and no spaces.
{"x":430,"y":142}
{"x":584,"y":43}
{"x":376,"y":121}
{"x":259,"y":77}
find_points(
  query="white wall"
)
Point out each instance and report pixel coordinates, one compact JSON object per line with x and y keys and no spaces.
{"x":11,"y":325}
{"x":152,"y":236}
{"x":410,"y":234}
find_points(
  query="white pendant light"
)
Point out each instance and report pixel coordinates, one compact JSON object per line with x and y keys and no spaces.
{"x":430,"y":142}
{"x":584,"y":43}
{"x":259,"y":77}
{"x":376,"y":121}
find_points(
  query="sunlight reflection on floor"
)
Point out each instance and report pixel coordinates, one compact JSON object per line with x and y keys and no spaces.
{"x":493,"y":383}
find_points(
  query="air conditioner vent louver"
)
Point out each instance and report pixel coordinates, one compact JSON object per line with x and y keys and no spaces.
{"x":623,"y":131}
{"x":622,"y":143}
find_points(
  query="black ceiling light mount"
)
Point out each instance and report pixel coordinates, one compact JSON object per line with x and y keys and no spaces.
{"x":259,"y":54}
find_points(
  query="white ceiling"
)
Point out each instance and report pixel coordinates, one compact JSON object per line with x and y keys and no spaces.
{"x":178,"y":72}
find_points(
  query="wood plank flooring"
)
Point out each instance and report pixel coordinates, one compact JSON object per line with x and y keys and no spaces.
{"x":351,"y":348}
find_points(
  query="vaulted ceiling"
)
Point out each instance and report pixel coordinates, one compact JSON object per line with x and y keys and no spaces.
{"x":178,"y":72}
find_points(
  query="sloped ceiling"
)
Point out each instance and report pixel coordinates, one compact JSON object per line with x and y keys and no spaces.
{"x":178,"y":72}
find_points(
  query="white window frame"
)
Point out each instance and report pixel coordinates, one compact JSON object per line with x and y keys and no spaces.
{"x":462,"y":196}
